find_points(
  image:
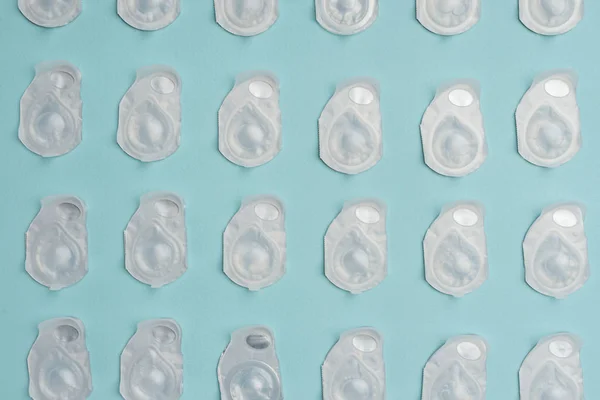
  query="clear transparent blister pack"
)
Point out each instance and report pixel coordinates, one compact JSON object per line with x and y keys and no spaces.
{"x":555,"y":250}
{"x":246,"y":17}
{"x":452,"y":130}
{"x":550,"y":17}
{"x":346,"y":17}
{"x":457,"y":370}
{"x":254,"y":243}
{"x":354,"y":367}
{"x":448,"y":17}
{"x":57,"y":243}
{"x":356,"y":246}
{"x":50,"y":13}
{"x":156,"y":240}
{"x":249,"y":367}
{"x":59,"y":362}
{"x":548,"y":122}
{"x":152,"y":362}
{"x":51,"y":110}
{"x":350,"y":133}
{"x":552,"y":369}
{"x":455,"y":250}
{"x":149,"y":15}
{"x":150,"y":114}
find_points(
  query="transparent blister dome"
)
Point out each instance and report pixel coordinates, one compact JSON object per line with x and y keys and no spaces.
{"x":452,"y":130}
{"x":248,"y":368}
{"x":156,"y":240}
{"x":150,"y":115}
{"x":250,"y":120}
{"x":550,"y":17}
{"x":246,"y":17}
{"x":59,"y":362}
{"x":346,"y":17}
{"x":548,"y":122}
{"x":51,"y":110}
{"x":149,"y":15}
{"x":350,"y":134}
{"x":356,"y":246}
{"x":152,"y":362}
{"x":448,"y":17}
{"x":354,"y":368}
{"x":455,"y":250}
{"x":254,"y":243}
{"x":50,"y":13}
{"x":57,"y":243}
{"x":457,"y":370}
{"x":552,"y":370}
{"x":555,"y":250}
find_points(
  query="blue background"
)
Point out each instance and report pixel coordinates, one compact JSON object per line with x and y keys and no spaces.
{"x":306,"y":312}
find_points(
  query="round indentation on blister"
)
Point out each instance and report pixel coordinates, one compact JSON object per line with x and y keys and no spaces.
{"x":561,"y":348}
{"x":164,"y":335}
{"x":253,"y":381}
{"x":365,"y":343}
{"x":66,"y":333}
{"x":361,"y":95}
{"x":557,"y":88}
{"x":61,"y":79}
{"x":564,"y":218}
{"x":469,"y":351}
{"x":356,"y":389}
{"x":166,"y":208}
{"x":260,"y":89}
{"x":258,"y":341}
{"x":68,"y":211}
{"x":163,"y":84}
{"x":367,"y":214}
{"x":266,"y":211}
{"x":465,"y":217}
{"x":461,"y":97}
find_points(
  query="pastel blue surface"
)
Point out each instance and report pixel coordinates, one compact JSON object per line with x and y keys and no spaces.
{"x":306,"y":312}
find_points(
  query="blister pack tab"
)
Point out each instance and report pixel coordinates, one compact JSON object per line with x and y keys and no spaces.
{"x":356,"y":246}
{"x":57,"y":243}
{"x":156,"y":240}
{"x":550,"y":17}
{"x":548,"y":125}
{"x":346,"y":17}
{"x":149,"y":15}
{"x":455,"y":250}
{"x":556,"y":252}
{"x":350,"y":134}
{"x":254,"y":243}
{"x":59,"y":362}
{"x":51,"y":110}
{"x":50,"y":13}
{"x":250,"y":120}
{"x":150,"y":114}
{"x":246,"y":17}
{"x":354,"y":367}
{"x":152,"y":362}
{"x":448,"y":17}
{"x":452,"y":130}
{"x":249,"y":368}
{"x":457,"y":370}
{"x":552,"y":370}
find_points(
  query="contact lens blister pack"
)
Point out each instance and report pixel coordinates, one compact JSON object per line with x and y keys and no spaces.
{"x":448,"y":17}
{"x":550,"y":17}
{"x":149,"y":15}
{"x":246,"y":17}
{"x":50,"y":13}
{"x":346,"y":17}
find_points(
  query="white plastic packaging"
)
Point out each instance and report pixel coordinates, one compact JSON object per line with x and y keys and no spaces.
{"x":59,"y":362}
{"x":455,"y":250}
{"x":50,"y":13}
{"x":246,"y":17}
{"x":452,"y":130}
{"x":254,"y":243}
{"x":152,"y":362}
{"x":552,"y":370}
{"x":57,"y":243}
{"x":448,"y":17}
{"x":249,"y":368}
{"x":350,"y":134}
{"x":156,"y":240}
{"x":149,"y":15}
{"x":548,"y":122}
{"x":550,"y":17}
{"x":356,"y":246}
{"x":346,"y":17}
{"x":150,"y":114}
{"x":457,"y":370}
{"x":354,"y":367}
{"x":250,"y":120}
{"x":555,"y":251}
{"x":51,"y":109}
